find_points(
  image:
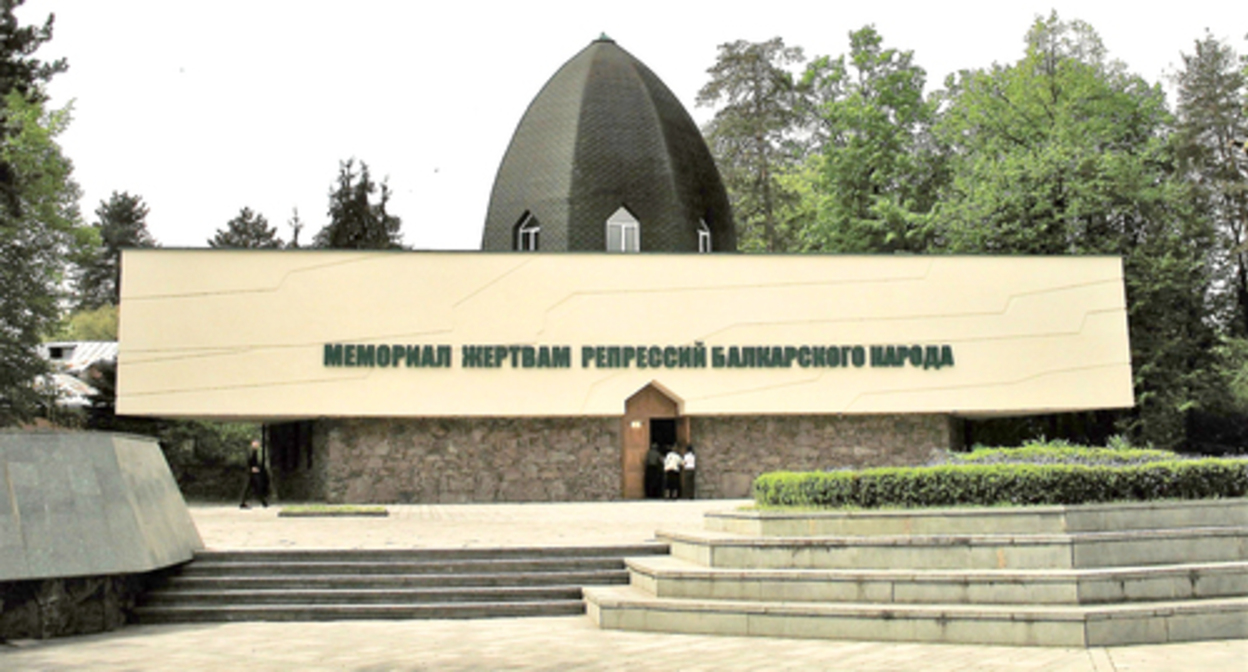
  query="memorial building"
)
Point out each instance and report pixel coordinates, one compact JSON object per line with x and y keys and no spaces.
{"x":607,"y":311}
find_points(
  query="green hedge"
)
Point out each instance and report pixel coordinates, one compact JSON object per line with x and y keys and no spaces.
{"x":1062,"y":454}
{"x":993,"y":484}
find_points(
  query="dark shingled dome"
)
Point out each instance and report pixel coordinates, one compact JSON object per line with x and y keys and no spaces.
{"x":605,"y":133}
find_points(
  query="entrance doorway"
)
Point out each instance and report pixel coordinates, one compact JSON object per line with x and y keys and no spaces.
{"x":663,"y":435}
{"x":663,"y":432}
{"x":652,"y":415}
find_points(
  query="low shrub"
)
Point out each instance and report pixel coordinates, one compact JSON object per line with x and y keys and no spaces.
{"x":1060,"y":452}
{"x":330,"y":510}
{"x":1005,"y":483}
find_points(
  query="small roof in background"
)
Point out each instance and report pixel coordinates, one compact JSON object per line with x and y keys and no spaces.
{"x":71,"y":392}
{"x":74,"y":357}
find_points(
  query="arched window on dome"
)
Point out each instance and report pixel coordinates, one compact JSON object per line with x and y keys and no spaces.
{"x":623,"y":232}
{"x":528,"y":232}
{"x":704,"y":236}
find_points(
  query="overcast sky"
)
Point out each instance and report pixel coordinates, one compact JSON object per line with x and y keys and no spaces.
{"x":202,"y":108}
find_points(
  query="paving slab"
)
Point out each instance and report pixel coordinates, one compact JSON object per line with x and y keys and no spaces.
{"x":557,"y":643}
{"x":455,"y":525}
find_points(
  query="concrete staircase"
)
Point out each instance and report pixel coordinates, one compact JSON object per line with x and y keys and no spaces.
{"x":1056,"y":576}
{"x":316,"y":585}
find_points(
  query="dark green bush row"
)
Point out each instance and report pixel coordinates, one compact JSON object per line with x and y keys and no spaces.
{"x":992,"y":484}
{"x":1061,"y":454}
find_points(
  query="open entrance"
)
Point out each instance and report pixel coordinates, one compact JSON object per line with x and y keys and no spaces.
{"x":662,"y":435}
{"x":651,"y":416}
{"x":663,"y":431}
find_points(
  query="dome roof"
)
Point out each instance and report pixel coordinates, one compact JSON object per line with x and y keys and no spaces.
{"x":604,"y":134}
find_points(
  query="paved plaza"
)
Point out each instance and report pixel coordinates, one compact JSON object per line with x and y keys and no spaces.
{"x":561,"y":643}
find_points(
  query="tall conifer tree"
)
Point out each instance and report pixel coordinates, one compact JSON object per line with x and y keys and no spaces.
{"x":1211,"y":138}
{"x":121,"y":222}
{"x":356,"y":221}
{"x":752,"y":136}
{"x":39,"y":223}
{"x":248,"y":230}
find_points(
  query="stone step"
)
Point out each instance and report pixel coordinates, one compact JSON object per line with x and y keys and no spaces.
{"x":416,"y":583}
{"x":360,"y":596}
{"x":971,"y":551}
{"x":630,"y":608}
{"x":349,"y":581}
{"x":426,"y":554}
{"x":666,"y":576}
{"x":313,"y":612}
{"x":199,"y":568}
{"x":984,"y":520}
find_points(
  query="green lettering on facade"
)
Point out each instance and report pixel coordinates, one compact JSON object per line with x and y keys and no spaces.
{"x":333,"y":354}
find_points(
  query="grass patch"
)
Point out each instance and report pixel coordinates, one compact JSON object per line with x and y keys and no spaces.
{"x":332,"y":510}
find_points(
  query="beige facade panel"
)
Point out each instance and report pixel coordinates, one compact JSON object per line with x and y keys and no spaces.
{"x":245,"y":334}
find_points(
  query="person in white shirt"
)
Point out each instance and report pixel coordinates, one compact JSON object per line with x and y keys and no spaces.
{"x":687,"y":485}
{"x":671,"y":473}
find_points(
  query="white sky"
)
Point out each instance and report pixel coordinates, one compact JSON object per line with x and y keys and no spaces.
{"x":202,"y":108}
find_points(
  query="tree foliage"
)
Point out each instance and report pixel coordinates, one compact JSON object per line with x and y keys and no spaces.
{"x":39,"y":222}
{"x":1061,"y":152}
{"x":752,"y":135}
{"x":356,"y":221}
{"x":1052,"y":154}
{"x":1211,"y":135}
{"x":879,"y":166}
{"x":1064,"y":152}
{"x":296,"y":227}
{"x":99,"y":324}
{"x":121,"y":222}
{"x":247,"y":230}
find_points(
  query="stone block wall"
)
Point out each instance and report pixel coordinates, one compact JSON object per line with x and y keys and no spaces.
{"x":732,"y":450}
{"x":61,"y":607}
{"x":450,"y":460}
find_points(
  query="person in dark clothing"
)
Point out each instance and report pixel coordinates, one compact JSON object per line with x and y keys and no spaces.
{"x":654,"y":472}
{"x":257,"y":477}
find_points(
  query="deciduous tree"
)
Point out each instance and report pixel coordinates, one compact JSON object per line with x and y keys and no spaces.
{"x":1064,"y":152}
{"x":99,"y":324}
{"x":880,"y":168}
